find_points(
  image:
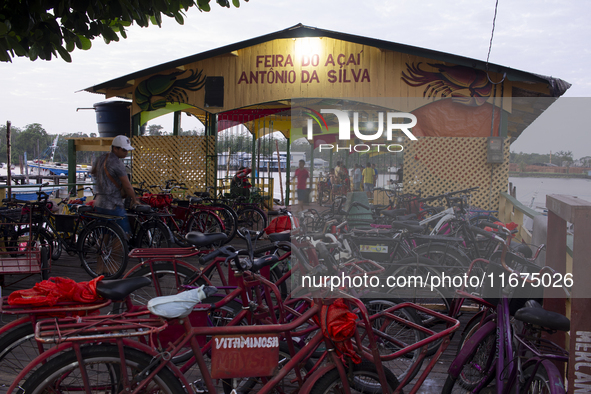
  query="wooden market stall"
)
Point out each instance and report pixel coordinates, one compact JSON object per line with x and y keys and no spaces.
{"x":261,"y":81}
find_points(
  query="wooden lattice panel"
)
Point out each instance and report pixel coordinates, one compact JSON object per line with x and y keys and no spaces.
{"x":436,"y":165}
{"x":188,"y":159}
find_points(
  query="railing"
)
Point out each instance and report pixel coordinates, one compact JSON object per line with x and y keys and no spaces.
{"x":36,"y":186}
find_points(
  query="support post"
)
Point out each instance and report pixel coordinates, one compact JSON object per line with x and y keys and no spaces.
{"x":311,"y":167}
{"x":288,"y":169}
{"x":135,"y":125}
{"x":176,"y":128}
{"x":562,"y":209}
{"x":211,"y":129}
{"x":72,"y":161}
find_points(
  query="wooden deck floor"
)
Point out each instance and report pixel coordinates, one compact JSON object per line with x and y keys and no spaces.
{"x":68,"y":266}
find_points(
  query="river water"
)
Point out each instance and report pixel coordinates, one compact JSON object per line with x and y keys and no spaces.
{"x":530,"y":191}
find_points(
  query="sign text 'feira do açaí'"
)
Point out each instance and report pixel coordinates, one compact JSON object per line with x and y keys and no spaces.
{"x":280,"y":69}
{"x":394,"y":121}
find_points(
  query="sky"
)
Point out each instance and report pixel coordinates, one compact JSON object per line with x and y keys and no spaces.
{"x":543,"y":37}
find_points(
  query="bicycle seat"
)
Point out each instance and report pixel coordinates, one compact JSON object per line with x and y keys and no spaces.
{"x":142,"y":209}
{"x":195,"y":200}
{"x":411,"y":227}
{"x":393,"y":212}
{"x":282,"y":236}
{"x":202,"y":194}
{"x":199,"y":239}
{"x":85,"y":208}
{"x":533,"y":313}
{"x":117,"y":290}
{"x":263,"y":262}
{"x":407,"y":217}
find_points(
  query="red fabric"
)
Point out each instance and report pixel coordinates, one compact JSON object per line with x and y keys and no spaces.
{"x":302,"y":176}
{"x":339,"y":324}
{"x":157,"y":200}
{"x":509,"y":226}
{"x":54,"y":290}
{"x":279,"y":224}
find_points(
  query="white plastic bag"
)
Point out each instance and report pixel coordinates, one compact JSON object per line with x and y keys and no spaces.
{"x":179,"y":305}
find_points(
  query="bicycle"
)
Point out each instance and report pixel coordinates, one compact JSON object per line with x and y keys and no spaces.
{"x":178,"y":218}
{"x":148,"y":368}
{"x":515,"y":357}
{"x":17,"y":340}
{"x":96,"y":238}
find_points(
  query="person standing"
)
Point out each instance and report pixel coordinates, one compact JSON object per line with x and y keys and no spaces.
{"x":375,"y":179}
{"x":368,"y":175}
{"x":112,"y":185}
{"x":337,"y":171}
{"x":302,"y":175}
{"x":357,"y":178}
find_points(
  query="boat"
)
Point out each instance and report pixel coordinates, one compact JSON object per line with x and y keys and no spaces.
{"x":50,"y":167}
{"x":30,"y":193}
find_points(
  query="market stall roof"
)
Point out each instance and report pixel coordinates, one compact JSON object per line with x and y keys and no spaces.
{"x":531,"y":93}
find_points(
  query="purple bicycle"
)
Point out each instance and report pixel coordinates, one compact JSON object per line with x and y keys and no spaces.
{"x":512,"y":353}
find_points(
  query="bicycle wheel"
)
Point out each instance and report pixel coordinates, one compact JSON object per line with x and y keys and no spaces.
{"x":206,"y":222}
{"x":478,"y":369}
{"x":153,"y":234}
{"x":364,"y":379}
{"x":540,"y":383}
{"x":44,"y":263}
{"x":17,"y":349}
{"x":448,"y":258}
{"x":400,"y":366}
{"x":252,"y":218}
{"x":167,"y":279}
{"x":324,"y":195}
{"x":19,"y":242}
{"x":103,"y":250}
{"x":103,"y":366}
{"x":253,"y":385}
{"x":228,"y":217}
{"x":413,"y":275}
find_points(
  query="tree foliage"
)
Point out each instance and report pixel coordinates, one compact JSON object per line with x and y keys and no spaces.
{"x":42,"y":29}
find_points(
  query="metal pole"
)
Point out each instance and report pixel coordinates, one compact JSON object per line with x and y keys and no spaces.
{"x":8,"y":160}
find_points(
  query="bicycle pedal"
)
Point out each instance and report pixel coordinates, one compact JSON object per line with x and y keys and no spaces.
{"x":199,"y":387}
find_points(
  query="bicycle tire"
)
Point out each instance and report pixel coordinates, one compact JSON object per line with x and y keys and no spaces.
{"x":103,"y":365}
{"x":205,"y":222}
{"x":228,"y":217}
{"x":167,"y":279}
{"x":252,"y":218}
{"x":540,"y":382}
{"x":56,"y":244}
{"x":104,"y":240}
{"x":329,"y":383}
{"x":44,"y":263}
{"x":324,"y":196}
{"x":478,"y":368}
{"x":18,"y":348}
{"x":253,"y":385}
{"x":422,"y":267}
{"x":154,"y":234}
{"x":402,"y":365}
{"x":447,"y":257}
{"x":39,"y":236}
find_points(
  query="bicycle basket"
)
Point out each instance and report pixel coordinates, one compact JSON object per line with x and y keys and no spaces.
{"x":65,"y":223}
{"x":517,"y":290}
